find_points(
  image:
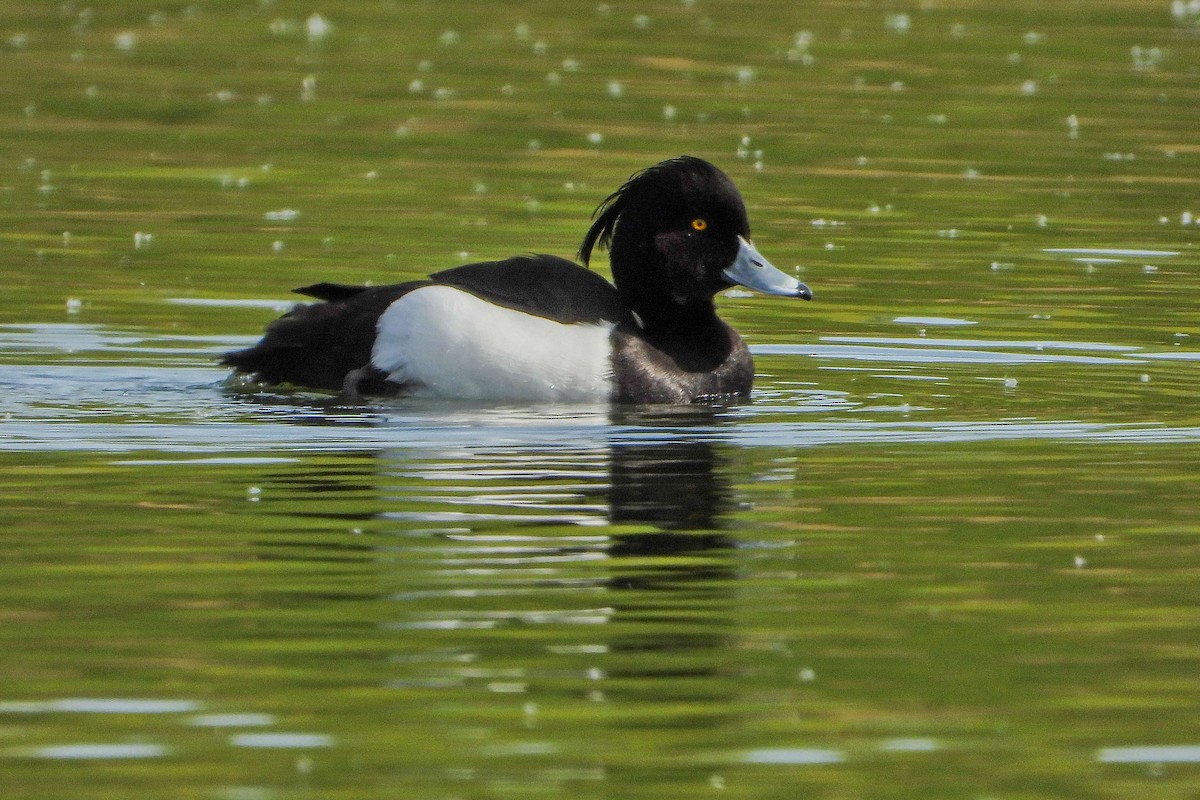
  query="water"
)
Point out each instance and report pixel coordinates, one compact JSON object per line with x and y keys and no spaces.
{"x":948,"y":549}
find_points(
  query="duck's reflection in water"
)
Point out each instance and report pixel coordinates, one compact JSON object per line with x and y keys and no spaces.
{"x":674,"y":484}
{"x":546,"y":600}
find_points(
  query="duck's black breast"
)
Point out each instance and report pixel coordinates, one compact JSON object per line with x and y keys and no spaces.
{"x":705,"y":364}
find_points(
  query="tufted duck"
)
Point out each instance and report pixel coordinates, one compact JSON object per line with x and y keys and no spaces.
{"x":539,"y":327}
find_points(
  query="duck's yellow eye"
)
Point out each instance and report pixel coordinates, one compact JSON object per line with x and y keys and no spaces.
{"x":699,"y":224}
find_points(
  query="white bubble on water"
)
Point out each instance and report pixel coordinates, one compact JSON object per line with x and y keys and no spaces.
{"x":898,"y":23}
{"x":1145,"y":59}
{"x":316,"y":28}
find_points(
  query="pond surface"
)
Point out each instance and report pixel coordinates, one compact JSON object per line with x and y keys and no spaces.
{"x":950,"y":548}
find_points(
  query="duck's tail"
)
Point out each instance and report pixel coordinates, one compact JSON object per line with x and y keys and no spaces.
{"x":313,"y":345}
{"x":317,"y":345}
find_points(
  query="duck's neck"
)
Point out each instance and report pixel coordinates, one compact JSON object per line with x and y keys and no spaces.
{"x":646,"y":290}
{"x":696,"y":319}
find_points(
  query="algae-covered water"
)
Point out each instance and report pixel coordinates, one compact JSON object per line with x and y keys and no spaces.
{"x":950,"y":548}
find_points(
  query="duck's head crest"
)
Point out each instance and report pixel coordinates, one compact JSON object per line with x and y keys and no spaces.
{"x":661,"y":196}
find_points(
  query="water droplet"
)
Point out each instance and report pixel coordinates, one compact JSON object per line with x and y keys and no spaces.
{"x":898,"y":23}
{"x":317,"y":28}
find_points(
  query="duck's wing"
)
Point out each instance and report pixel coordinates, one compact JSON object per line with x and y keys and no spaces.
{"x":317,"y":344}
{"x":541,"y":285}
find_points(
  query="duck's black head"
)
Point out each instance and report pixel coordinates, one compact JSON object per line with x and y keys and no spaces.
{"x":677,"y":233}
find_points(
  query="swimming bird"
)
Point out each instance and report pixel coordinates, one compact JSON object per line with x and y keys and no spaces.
{"x":540,"y":327}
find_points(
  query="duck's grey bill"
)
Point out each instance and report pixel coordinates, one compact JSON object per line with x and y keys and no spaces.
{"x":752,"y":270}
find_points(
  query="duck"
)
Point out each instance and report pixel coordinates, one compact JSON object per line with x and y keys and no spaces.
{"x":542,"y":328}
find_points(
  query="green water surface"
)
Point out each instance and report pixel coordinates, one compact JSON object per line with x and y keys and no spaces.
{"x":951,"y":548}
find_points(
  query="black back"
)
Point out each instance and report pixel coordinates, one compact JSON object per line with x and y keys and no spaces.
{"x":541,"y":285}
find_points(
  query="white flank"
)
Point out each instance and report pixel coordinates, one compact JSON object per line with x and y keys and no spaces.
{"x":451,"y":344}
